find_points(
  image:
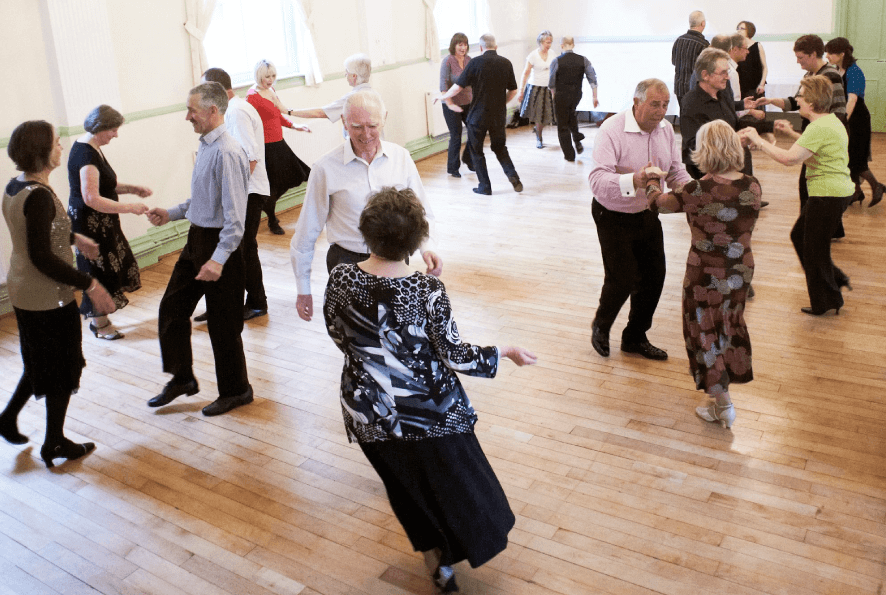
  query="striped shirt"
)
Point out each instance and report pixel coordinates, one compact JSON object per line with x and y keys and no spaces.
{"x":838,"y":98}
{"x":683,"y":55}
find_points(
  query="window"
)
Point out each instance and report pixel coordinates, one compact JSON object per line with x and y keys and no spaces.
{"x":470,"y":17}
{"x":243,"y":32}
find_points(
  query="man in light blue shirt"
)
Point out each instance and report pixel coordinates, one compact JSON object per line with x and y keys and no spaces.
{"x":211,"y":262}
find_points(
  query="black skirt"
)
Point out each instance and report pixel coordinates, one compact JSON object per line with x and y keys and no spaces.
{"x":859,"y":126}
{"x":445,"y":494}
{"x":51,"y":344}
{"x":285,"y":169}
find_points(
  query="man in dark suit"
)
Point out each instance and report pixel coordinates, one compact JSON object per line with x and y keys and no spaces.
{"x":493,"y":82}
{"x":567,"y":71}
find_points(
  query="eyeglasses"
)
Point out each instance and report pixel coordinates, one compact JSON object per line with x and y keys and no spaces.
{"x":721,"y":73}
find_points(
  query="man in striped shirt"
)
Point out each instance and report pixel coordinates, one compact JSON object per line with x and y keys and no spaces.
{"x":685,"y":51}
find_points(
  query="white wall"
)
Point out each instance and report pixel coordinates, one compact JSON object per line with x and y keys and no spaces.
{"x":149,"y":68}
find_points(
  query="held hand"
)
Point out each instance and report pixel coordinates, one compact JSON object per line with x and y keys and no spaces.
{"x":654,"y":173}
{"x":303,"y":128}
{"x":87,"y":246}
{"x":749,"y":136}
{"x":641,"y":177}
{"x":762,"y":101}
{"x":749,"y":103}
{"x":101,"y":299}
{"x":210,"y":271}
{"x":434,"y":262}
{"x":138,"y":208}
{"x":304,"y":305}
{"x":757,"y":113}
{"x":158,"y":216}
{"x":518,"y":355}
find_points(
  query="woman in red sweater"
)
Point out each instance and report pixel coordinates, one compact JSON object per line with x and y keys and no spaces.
{"x":285,"y":169}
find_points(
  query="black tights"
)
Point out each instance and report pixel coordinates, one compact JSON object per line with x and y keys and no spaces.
{"x":56,"y":410}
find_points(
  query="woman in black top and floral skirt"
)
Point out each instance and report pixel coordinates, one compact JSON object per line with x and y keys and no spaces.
{"x":400,"y":396}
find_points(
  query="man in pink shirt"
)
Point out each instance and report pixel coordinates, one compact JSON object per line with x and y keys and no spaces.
{"x":630,"y":235}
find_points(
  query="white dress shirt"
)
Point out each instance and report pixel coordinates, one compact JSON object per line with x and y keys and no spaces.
{"x":244,"y":124}
{"x":736,"y":85}
{"x":338,"y":188}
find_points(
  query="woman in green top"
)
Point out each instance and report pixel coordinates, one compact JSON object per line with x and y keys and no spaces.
{"x":823,"y":146}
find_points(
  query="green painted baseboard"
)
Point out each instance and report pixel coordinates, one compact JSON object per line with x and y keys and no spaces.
{"x":160,"y":241}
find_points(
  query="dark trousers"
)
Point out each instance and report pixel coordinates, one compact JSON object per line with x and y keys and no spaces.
{"x":632,"y":245}
{"x":567,"y":123}
{"x":839,"y":232}
{"x":338,"y":255}
{"x":476,"y":137}
{"x":224,"y":308}
{"x":454,"y":121}
{"x":811,"y":237}
{"x":253,"y":280}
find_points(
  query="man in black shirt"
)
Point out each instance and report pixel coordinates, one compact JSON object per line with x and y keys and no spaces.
{"x":492,"y":79}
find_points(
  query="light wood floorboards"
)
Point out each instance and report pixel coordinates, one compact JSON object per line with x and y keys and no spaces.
{"x":618,"y":488}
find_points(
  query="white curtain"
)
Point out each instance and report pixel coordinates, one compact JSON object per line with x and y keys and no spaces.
{"x":308,"y":62}
{"x":199,"y":13}
{"x":432,"y":38}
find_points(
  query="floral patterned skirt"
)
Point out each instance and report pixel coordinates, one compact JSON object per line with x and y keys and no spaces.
{"x":714,"y":328}
{"x":115,"y":268}
{"x":538,"y":105}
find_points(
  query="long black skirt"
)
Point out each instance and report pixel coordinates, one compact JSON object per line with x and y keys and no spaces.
{"x":445,"y":494}
{"x":285,"y":169}
{"x":51,"y":343}
{"x":859,"y":126}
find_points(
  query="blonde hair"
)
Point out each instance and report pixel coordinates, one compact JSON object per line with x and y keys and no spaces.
{"x":264,"y":68}
{"x":717,"y":148}
{"x":818,"y":91}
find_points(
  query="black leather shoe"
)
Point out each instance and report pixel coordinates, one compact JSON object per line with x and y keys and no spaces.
{"x":646,"y":349}
{"x":10,"y":433}
{"x":201,"y":317}
{"x":275,"y":228}
{"x":600,"y":340}
{"x":579,"y":148}
{"x":225,"y":404}
{"x":249,"y":313}
{"x":172,"y":391}
{"x":484,"y":192}
{"x":516,"y":183}
{"x":455,"y":174}
{"x":809,"y":310}
{"x":764,"y":204}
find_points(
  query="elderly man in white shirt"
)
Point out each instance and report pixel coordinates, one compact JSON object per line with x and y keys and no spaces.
{"x":245,"y":125}
{"x":358,"y":67}
{"x":340,"y":184}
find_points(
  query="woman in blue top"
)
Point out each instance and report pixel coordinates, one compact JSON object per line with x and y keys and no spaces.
{"x":401,"y":399}
{"x":839,"y":52}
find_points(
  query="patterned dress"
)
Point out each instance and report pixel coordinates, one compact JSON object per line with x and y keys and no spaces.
{"x":115,"y":267}
{"x":403,"y":403}
{"x":721,"y":214}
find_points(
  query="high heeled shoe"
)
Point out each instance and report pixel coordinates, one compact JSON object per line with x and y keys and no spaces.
{"x":857,"y":197}
{"x":724,"y":414}
{"x":65,"y":450}
{"x":877,"y":195}
{"x":444,"y":579}
{"x":845,"y":284}
{"x":108,"y":332}
{"x":809,"y":310}
{"x":10,"y":433}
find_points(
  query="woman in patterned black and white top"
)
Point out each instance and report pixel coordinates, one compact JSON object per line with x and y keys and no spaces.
{"x":400,"y":396}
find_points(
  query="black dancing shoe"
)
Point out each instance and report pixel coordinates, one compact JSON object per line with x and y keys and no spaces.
{"x":64,"y":450}
{"x":600,"y":340}
{"x":646,"y":349}
{"x":172,"y":391}
{"x":224,"y":404}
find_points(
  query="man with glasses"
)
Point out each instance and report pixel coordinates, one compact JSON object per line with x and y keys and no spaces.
{"x":709,"y":100}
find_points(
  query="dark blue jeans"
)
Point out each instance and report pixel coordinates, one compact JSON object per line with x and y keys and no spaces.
{"x":476,"y":136}
{"x":454,"y":121}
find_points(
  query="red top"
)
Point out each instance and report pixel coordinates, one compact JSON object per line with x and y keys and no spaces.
{"x":271,"y":118}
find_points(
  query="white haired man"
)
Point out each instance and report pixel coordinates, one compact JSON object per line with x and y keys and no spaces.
{"x":340,"y":185}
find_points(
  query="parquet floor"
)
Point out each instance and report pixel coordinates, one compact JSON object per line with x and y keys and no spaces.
{"x":618,"y":488}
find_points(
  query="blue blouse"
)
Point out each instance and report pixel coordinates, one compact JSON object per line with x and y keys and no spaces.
{"x":402,"y":349}
{"x":855,"y":81}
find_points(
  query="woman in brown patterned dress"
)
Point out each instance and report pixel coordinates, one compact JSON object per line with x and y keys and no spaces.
{"x":721,"y":208}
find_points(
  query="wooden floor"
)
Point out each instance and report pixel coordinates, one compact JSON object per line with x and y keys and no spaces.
{"x":618,"y":488}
